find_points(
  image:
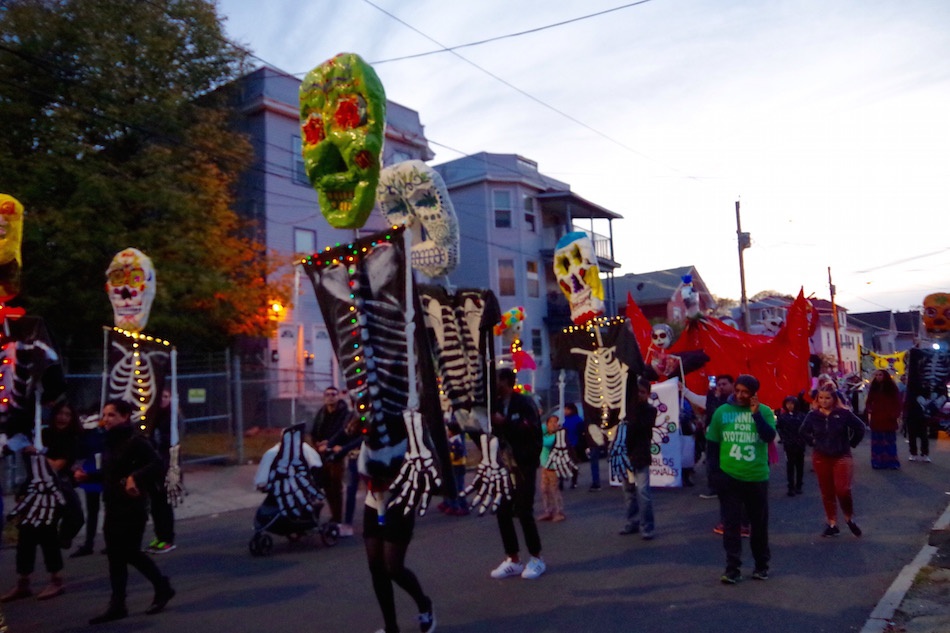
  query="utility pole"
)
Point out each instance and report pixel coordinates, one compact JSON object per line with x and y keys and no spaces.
{"x":745,"y":241}
{"x":834,"y":315}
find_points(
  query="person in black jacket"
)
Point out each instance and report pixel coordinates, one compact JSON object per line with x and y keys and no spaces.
{"x":636,"y":487}
{"x":516,"y":425}
{"x":129,"y":465}
{"x":330,"y":438}
{"x":788,"y":422}
{"x":833,"y":430}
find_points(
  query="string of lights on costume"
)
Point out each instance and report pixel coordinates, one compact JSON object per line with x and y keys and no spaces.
{"x":27,"y":357}
{"x":137,"y":367}
{"x":928,"y":366}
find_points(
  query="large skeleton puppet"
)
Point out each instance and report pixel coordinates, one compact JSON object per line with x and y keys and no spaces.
{"x":138,"y":367}
{"x":604,"y":351}
{"x":30,"y":373}
{"x":928,"y":367}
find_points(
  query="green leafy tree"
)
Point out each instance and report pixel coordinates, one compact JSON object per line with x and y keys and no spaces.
{"x":116,"y":134}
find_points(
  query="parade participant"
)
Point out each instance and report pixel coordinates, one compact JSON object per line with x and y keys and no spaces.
{"x":789,"y":421}
{"x":738,"y":435}
{"x":331,"y":440}
{"x":636,"y":487}
{"x":515,"y":424}
{"x":552,"y":502}
{"x":832,"y":431}
{"x":129,"y":466}
{"x":717,"y":396}
{"x":883,"y":408}
{"x":91,"y":446}
{"x":163,"y":515}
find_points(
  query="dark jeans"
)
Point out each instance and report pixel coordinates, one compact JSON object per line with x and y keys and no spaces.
{"x":124,"y":548}
{"x":163,"y":516}
{"x":795,"y":466}
{"x":753,"y":497}
{"x":333,"y":487}
{"x":93,"y":498}
{"x":352,"y":485}
{"x":521,"y":506}
{"x":917,"y":430}
{"x":44,"y":536}
{"x":595,"y":452}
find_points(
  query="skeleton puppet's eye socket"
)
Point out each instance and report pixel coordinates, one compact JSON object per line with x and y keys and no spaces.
{"x":563,"y":264}
{"x":136,"y":277}
{"x":350,"y":112}
{"x":313,"y":133}
{"x":117,"y":277}
{"x":930,"y":312}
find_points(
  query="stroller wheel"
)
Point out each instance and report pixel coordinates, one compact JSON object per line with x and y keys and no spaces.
{"x":255,"y":545}
{"x":330,"y":534}
{"x":267,"y":544}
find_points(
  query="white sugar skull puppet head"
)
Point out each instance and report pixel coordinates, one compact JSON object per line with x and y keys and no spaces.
{"x":130,"y":283}
{"x":343,"y":121}
{"x":658,"y":355}
{"x":575,"y":266}
{"x":414,"y":194}
{"x":11,"y":238}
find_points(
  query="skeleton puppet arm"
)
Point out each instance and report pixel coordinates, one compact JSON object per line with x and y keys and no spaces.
{"x":560,"y":459}
{"x":617,"y":456}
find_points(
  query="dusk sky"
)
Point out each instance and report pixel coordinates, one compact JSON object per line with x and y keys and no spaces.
{"x":829,"y":120}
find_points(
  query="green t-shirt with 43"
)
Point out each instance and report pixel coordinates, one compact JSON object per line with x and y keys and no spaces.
{"x":742,"y":453}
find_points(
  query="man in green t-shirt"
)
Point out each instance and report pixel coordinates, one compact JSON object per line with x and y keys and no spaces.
{"x":738,"y":437}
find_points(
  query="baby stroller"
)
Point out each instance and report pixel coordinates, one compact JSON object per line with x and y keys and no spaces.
{"x":287,"y":474}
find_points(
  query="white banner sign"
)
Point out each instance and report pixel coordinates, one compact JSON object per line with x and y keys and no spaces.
{"x":666,"y":469}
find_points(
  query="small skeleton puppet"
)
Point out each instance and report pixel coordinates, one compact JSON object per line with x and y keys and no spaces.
{"x":342,"y":122}
{"x":459,"y":328}
{"x":414,"y":194}
{"x":509,"y":327}
{"x":289,"y":474}
{"x":367,"y":299}
{"x":560,"y":459}
{"x":11,"y":237}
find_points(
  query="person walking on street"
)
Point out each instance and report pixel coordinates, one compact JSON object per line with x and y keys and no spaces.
{"x":636,"y":486}
{"x":515,"y":423}
{"x":717,"y":396}
{"x":330,"y":438}
{"x":832,"y":431}
{"x":738,"y":437}
{"x":883,"y":408}
{"x":129,"y":465}
{"x":789,"y":422}
{"x":163,"y":515}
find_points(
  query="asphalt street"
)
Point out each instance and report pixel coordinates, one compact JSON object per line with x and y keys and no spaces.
{"x":596,"y":580}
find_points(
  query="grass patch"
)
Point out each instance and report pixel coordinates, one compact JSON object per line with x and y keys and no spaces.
{"x":200,"y":445}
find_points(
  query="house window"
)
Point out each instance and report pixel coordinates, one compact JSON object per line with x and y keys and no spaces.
{"x":501,"y":201}
{"x":506,"y":277}
{"x":299,"y":174}
{"x":305,"y":241}
{"x":534,"y":282}
{"x":529,"y":217}
{"x":537,"y":345}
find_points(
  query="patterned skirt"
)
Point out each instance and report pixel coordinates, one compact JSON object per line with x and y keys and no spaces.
{"x":884,"y":450}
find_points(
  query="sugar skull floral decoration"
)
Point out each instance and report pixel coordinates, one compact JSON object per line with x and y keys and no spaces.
{"x":11,"y":237}
{"x":130,"y":283}
{"x":575,"y":266}
{"x":343,"y":121}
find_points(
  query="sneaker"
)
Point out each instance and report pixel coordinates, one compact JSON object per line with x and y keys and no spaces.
{"x":557,"y":518}
{"x":912,"y":458}
{"x":162,"y":548}
{"x":648,"y":536}
{"x":628,"y":529}
{"x":534,"y":568}
{"x":719,"y":529}
{"x":507,"y":568}
{"x":831,"y":530}
{"x":709,"y":495}
{"x":594,"y":488}
{"x":730,"y":577}
{"x":152,"y":545}
{"x":546,"y":516}
{"x":427,"y":620}
{"x":926,"y":459}
{"x":345,"y":530}
{"x":760,"y":574}
{"x":854,"y":528}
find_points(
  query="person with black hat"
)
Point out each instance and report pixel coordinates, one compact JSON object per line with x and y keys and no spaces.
{"x":738,"y":437}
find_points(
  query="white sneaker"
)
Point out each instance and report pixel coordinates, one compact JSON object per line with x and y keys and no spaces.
{"x":534,"y":568}
{"x":912,"y":458}
{"x":926,"y":458}
{"x":507,"y":568}
{"x":346,"y":530}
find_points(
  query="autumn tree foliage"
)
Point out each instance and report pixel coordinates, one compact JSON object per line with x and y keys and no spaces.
{"x":116,"y":133}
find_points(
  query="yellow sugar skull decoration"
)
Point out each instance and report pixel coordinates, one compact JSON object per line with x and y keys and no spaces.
{"x":936,"y":314}
{"x":11,"y":237}
{"x":130,"y":283}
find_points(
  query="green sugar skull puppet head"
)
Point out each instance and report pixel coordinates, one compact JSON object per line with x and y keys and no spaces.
{"x":130,"y":283}
{"x":343,"y":123}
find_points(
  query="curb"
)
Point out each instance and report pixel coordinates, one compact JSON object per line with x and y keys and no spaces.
{"x":881,"y":615}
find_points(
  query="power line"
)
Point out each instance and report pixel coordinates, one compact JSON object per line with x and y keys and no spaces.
{"x":509,"y":35}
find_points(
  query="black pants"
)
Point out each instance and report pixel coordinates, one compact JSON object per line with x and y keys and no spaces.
{"x":753,"y":497}
{"x":124,"y":547}
{"x":795,"y":466}
{"x":917,"y":431}
{"x":521,"y":506}
{"x":163,"y":516}
{"x":46,"y":537}
{"x":93,"y":497}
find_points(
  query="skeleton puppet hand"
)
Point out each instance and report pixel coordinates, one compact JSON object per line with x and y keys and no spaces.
{"x":174,"y":488}
{"x":43,"y":496}
{"x":418,"y":477}
{"x":560,"y":459}
{"x":492,"y":481}
{"x":617,"y":455}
